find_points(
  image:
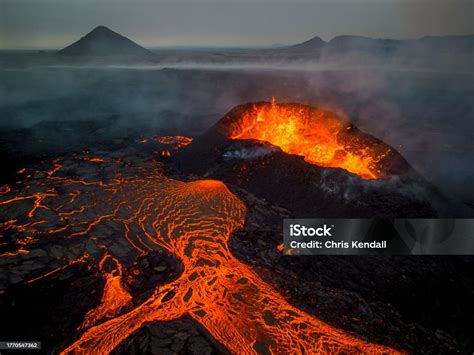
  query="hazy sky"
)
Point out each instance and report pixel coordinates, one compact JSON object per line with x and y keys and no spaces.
{"x":56,"y":23}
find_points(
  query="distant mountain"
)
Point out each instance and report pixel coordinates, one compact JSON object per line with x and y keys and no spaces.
{"x":103,"y":42}
{"x":360,"y":43}
{"x":313,"y":43}
{"x":433,"y":52}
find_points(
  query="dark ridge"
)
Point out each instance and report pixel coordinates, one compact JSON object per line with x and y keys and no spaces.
{"x":313,"y":43}
{"x":361,"y":42}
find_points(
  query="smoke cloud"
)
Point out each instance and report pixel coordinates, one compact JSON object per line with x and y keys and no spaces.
{"x":425,"y":112}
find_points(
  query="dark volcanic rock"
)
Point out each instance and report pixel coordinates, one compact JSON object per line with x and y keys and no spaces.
{"x":150,"y":270}
{"x":181,"y":336}
{"x":51,"y":309}
{"x":419,"y":304}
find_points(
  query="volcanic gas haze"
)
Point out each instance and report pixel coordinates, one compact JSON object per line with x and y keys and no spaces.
{"x":139,"y":208}
{"x":320,"y":136}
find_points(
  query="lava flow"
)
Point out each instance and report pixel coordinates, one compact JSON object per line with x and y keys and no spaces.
{"x":145,"y":210}
{"x":320,"y":136}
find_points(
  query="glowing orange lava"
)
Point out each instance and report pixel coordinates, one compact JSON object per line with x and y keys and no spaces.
{"x":237,"y":307}
{"x":321,"y":137}
{"x":178,"y":141}
{"x":114,"y":297}
{"x":194,"y":222}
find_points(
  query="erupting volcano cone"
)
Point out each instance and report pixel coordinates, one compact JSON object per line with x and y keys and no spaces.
{"x":310,"y":161}
{"x":320,"y":136}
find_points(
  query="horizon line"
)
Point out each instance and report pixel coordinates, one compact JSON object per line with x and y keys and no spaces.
{"x":242,"y":46}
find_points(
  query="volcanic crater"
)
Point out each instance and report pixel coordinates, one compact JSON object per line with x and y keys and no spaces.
{"x":311,"y":162}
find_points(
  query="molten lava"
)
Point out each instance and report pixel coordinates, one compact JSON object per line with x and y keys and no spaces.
{"x":176,"y":141}
{"x":173,"y":143}
{"x":191,"y":220}
{"x":321,"y":137}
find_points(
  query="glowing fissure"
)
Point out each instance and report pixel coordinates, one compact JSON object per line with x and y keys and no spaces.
{"x":193,"y":221}
{"x":319,"y":136}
